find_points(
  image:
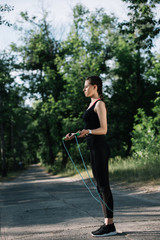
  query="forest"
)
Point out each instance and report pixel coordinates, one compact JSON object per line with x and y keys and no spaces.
{"x":41,"y":88}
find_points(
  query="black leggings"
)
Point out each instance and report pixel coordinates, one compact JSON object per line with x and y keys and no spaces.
{"x":99,"y":155}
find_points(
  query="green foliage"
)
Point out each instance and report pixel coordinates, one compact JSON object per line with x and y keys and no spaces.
{"x":146,"y":136}
{"x":52,"y":75}
{"x":40,"y":73}
{"x":132,"y":86}
{"x":3,"y":9}
{"x":143,"y":134}
{"x":153,"y":73}
{"x":15,"y":118}
{"x":82,"y":54}
{"x":143,"y":23}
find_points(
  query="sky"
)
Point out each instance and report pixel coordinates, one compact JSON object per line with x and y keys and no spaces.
{"x":60,"y":15}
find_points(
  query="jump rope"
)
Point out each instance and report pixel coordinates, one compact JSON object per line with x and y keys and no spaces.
{"x":99,"y":201}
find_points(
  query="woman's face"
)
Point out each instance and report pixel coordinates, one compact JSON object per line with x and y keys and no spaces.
{"x":89,"y":89}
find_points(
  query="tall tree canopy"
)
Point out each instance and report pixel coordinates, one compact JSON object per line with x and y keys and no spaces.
{"x":131,"y":87}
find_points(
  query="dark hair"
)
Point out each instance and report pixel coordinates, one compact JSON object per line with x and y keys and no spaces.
{"x":95,"y":80}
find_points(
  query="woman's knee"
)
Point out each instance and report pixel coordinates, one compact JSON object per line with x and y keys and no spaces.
{"x":104,"y":190}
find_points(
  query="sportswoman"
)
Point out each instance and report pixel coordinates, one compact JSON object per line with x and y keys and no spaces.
{"x":95,"y":129}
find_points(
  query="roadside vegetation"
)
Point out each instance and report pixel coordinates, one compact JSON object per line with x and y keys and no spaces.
{"x":130,"y":169}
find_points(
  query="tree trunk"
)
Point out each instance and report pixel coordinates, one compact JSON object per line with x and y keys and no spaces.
{"x":138,"y":75}
{"x":64,"y":158}
{"x":50,"y":143}
{"x":3,"y":159}
{"x":47,"y":127}
{"x":138,"y":97}
{"x":12,"y":145}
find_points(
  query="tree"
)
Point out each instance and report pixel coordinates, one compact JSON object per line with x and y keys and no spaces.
{"x":143,"y":24}
{"x":14,"y":121}
{"x":5,"y":81}
{"x":82,"y":54}
{"x":131,"y":88}
{"x":41,"y":74}
{"x":3,"y":157}
{"x":145,"y":137}
{"x":5,"y":8}
{"x":8,"y":96}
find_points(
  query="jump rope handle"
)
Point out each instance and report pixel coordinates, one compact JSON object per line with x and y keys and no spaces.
{"x":76,"y":134}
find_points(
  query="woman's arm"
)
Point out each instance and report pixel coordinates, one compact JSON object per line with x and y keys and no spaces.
{"x":101,"y":111}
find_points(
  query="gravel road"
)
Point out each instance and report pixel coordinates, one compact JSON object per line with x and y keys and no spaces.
{"x":38,"y":206}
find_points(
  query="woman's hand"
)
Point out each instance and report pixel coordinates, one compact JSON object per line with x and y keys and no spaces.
{"x":69,"y":136}
{"x":83,"y":133}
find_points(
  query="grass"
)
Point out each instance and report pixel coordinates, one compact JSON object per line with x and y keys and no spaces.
{"x":130,"y":169}
{"x":133,"y":169}
{"x":11,"y":176}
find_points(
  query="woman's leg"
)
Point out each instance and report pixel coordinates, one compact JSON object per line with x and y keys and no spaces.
{"x":99,"y":162}
{"x":107,"y":203}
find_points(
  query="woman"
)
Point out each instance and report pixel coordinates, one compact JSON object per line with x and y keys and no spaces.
{"x":95,"y":129}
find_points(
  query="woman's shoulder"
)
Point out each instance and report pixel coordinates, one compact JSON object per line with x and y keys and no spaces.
{"x":100,"y":105}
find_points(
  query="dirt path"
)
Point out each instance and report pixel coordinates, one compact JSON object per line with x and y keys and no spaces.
{"x":37,"y":206}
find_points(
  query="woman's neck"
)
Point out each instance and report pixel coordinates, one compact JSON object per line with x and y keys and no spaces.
{"x":93,"y":99}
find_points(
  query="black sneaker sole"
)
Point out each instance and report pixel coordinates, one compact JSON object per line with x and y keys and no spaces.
{"x":105,"y":235}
